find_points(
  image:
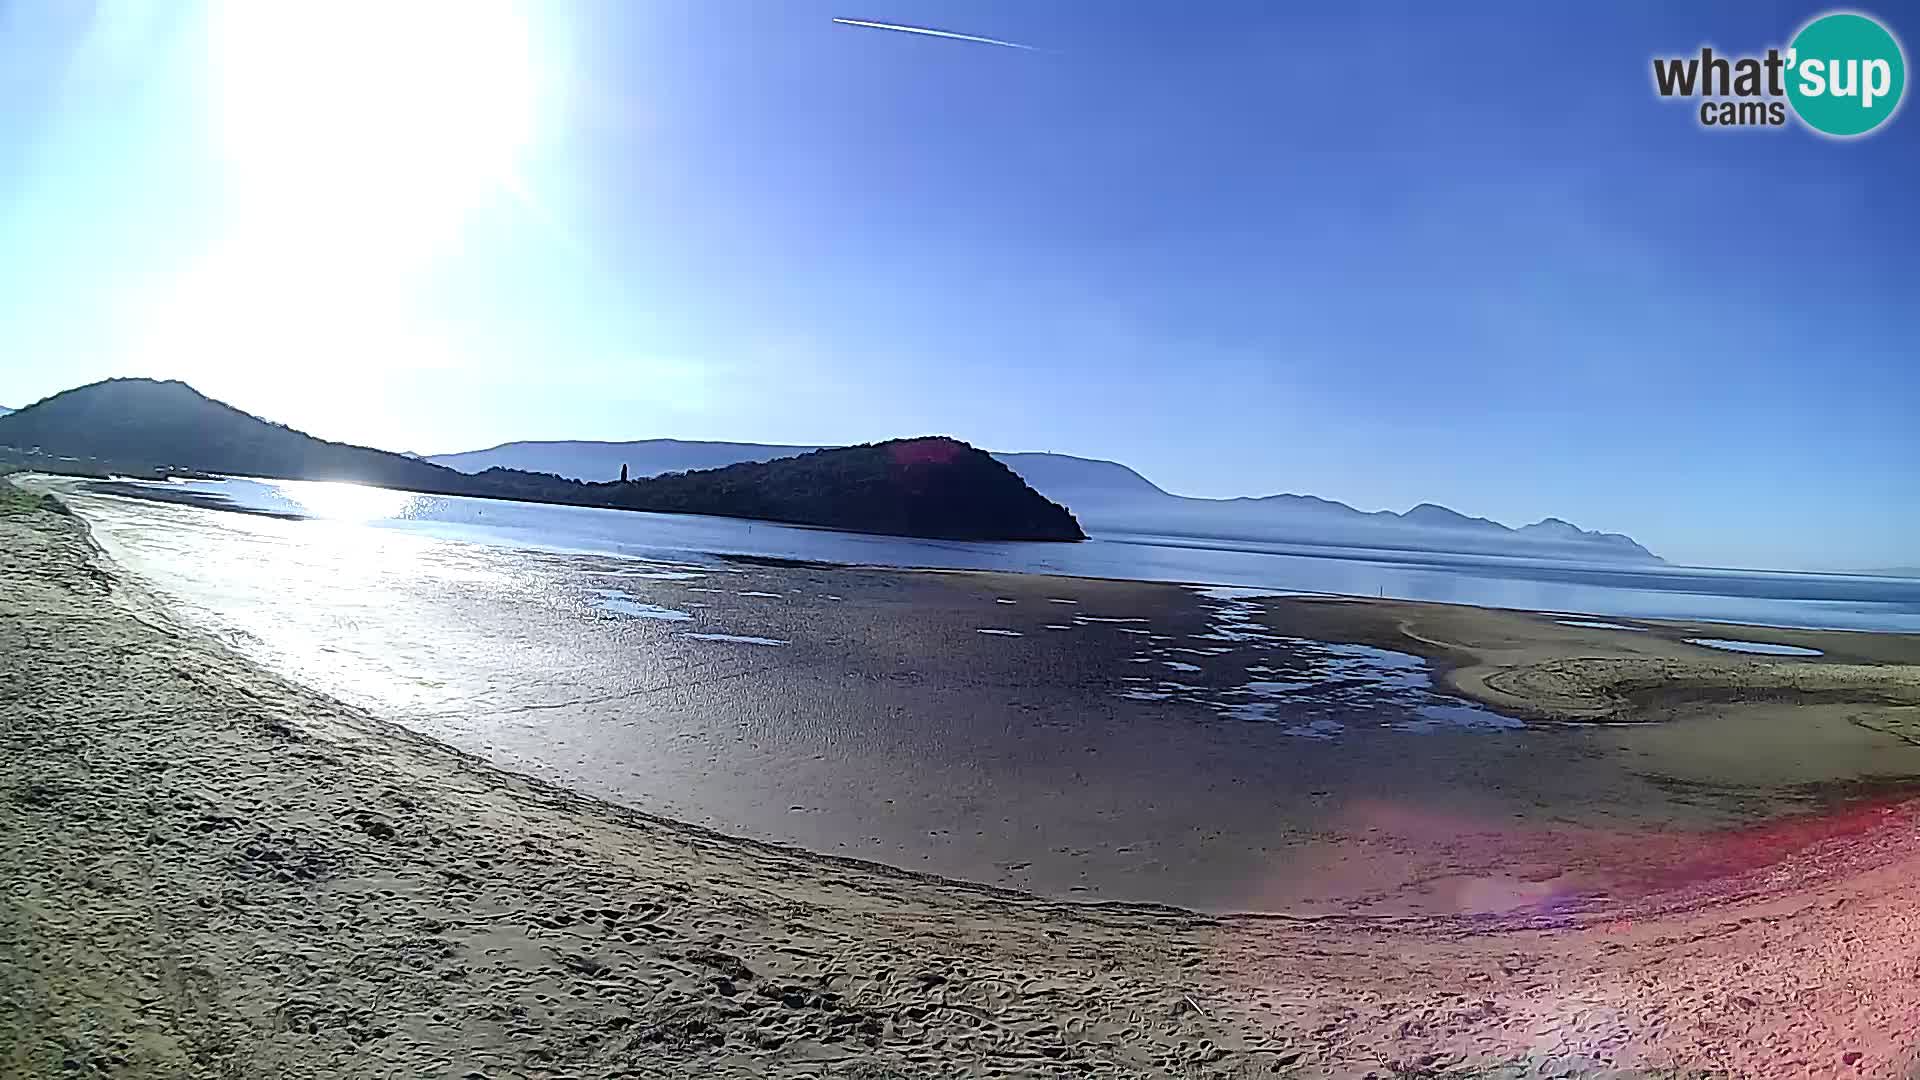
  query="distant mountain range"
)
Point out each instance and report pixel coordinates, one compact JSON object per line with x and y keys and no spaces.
{"x":4,"y":410}
{"x":141,"y":424}
{"x":1108,"y":496}
{"x":932,"y":487}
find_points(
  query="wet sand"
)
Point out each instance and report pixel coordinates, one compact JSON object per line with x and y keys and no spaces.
{"x":215,"y":872}
{"x":1215,"y":749}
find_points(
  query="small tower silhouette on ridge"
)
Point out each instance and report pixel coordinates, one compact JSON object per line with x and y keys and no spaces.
{"x":623,"y":472}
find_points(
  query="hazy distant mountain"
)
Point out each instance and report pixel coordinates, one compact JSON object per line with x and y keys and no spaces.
{"x":935,"y":487}
{"x":4,"y":410}
{"x":1311,"y":520}
{"x":1108,"y":496}
{"x":1088,"y":479}
{"x":1439,"y":517}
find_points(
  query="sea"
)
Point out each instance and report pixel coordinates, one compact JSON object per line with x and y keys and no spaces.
{"x":1625,"y":590}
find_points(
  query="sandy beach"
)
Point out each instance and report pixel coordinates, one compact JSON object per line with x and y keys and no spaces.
{"x":213,"y":871}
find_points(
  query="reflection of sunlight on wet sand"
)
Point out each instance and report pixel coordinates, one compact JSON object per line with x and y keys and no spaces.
{"x":337,"y":572}
{"x":311,"y":598}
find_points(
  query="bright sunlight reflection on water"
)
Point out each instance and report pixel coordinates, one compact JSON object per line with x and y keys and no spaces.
{"x":347,"y":502}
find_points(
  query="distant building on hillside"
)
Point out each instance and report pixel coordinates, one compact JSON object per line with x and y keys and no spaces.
{"x":623,"y":472}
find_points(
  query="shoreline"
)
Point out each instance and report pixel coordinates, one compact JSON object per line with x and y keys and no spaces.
{"x":1440,"y":561}
{"x":218,"y":870}
{"x":1446,"y":661}
{"x":216,"y":1014}
{"x":1169,"y":737}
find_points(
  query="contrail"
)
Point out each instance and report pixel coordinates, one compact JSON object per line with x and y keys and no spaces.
{"x":933,"y":33}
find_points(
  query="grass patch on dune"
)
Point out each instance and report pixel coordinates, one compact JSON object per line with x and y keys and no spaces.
{"x":13,"y":500}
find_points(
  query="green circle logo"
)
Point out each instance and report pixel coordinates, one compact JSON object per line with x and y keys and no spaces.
{"x":1846,"y":74}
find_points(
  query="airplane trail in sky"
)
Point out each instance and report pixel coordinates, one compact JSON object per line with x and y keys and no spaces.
{"x":933,"y":33}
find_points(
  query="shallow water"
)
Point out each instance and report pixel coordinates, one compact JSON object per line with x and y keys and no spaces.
{"x":739,"y":639}
{"x":1136,"y":742}
{"x":619,"y":603}
{"x":1766,"y":648}
{"x":1829,"y":601}
{"x":1326,"y":688}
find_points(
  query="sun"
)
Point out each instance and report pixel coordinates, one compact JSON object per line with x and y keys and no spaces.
{"x":356,"y":141}
{"x":351,"y":121}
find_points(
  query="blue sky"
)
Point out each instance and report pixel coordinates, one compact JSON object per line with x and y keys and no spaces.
{"x":1385,"y":255}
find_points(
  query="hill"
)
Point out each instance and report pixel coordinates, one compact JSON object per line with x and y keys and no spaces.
{"x":595,"y":461}
{"x":937,"y":487}
{"x":145,"y":424}
{"x":913,"y":487}
{"x":1109,"y":496}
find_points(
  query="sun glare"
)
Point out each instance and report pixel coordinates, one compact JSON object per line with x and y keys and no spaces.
{"x":371,"y":119}
{"x":356,"y":503}
{"x":356,"y":140}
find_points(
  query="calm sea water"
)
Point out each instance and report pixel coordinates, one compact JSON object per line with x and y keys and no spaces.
{"x":1824,"y":601}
